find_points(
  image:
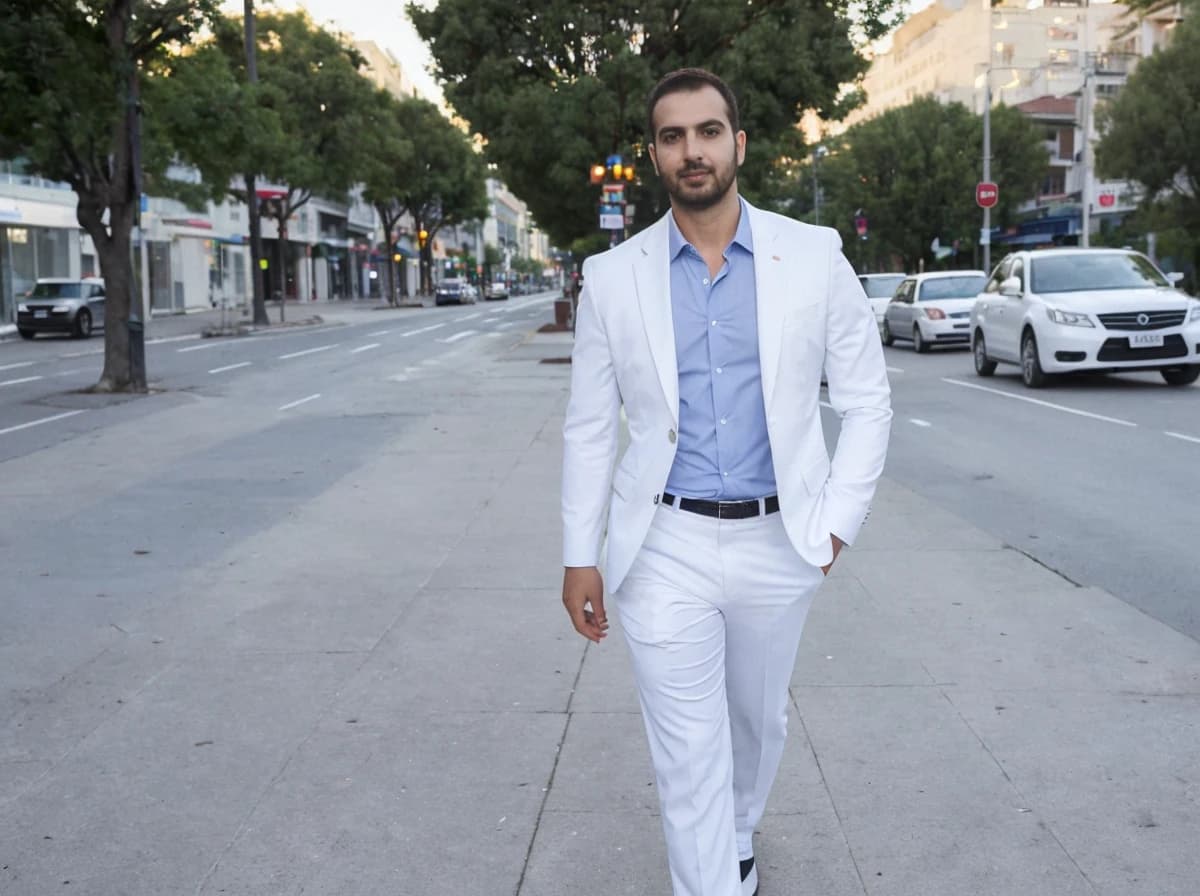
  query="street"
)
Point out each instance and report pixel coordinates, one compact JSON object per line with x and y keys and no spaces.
{"x":291,"y":624}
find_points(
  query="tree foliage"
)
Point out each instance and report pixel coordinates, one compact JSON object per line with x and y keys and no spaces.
{"x":1151,"y":133}
{"x":70,"y":75}
{"x":555,"y":86}
{"x":913,"y":171}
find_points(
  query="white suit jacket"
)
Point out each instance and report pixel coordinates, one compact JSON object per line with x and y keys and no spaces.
{"x":812,"y":315}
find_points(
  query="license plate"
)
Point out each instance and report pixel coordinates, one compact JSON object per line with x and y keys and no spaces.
{"x":41,"y":314}
{"x":1146,"y":340}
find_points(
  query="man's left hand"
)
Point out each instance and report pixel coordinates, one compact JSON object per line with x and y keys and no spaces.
{"x":838,"y":544}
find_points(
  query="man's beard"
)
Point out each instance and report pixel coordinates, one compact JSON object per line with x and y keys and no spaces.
{"x":699,"y":200}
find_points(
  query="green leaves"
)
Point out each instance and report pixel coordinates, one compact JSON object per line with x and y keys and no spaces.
{"x":555,"y":86}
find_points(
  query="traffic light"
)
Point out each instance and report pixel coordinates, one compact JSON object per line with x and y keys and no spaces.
{"x":422,"y":237}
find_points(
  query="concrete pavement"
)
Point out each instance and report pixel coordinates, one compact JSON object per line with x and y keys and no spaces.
{"x":374,"y":690}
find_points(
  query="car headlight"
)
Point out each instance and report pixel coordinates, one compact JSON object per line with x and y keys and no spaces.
{"x":935,"y":314}
{"x":1069,"y":318}
{"x":1195,"y":315}
{"x":22,"y":308}
{"x":61,"y":309}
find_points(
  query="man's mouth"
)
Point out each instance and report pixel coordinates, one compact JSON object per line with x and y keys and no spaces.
{"x":695,"y":173}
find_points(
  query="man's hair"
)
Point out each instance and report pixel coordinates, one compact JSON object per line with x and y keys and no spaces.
{"x":688,"y":80}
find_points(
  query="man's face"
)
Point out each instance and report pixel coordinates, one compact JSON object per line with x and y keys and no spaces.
{"x":695,"y":151}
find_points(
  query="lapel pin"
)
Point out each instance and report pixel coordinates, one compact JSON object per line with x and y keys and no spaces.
{"x":775,"y":258}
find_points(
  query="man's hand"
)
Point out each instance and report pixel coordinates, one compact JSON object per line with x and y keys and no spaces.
{"x":583,"y":587}
{"x":838,"y":544}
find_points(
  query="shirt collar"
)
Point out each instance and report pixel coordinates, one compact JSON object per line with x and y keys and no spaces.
{"x":743,"y":237}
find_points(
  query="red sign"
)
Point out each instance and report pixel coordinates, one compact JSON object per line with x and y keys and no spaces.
{"x":986,"y":194}
{"x":1108,"y":200}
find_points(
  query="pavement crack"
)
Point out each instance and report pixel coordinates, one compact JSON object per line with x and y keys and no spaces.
{"x":1046,"y":566}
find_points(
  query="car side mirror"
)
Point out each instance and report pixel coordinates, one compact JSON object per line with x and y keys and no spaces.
{"x":1011,"y":287}
{"x":1174,"y":278}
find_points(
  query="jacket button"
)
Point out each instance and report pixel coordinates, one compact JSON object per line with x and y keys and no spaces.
{"x":671,"y":436}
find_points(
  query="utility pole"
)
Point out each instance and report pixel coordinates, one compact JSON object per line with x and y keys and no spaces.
{"x":1085,"y":192}
{"x":256,"y":248}
{"x":985,"y":235}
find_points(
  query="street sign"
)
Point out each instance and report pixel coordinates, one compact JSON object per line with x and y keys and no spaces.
{"x":986,"y":194}
{"x":985,"y":236}
{"x":612,"y":222}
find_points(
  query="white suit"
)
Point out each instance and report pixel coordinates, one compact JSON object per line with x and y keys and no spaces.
{"x":713,"y":609}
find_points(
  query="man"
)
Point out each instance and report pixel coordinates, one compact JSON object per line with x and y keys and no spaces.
{"x":711,"y":328}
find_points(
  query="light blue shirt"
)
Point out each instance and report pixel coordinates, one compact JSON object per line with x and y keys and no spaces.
{"x":722,"y":452}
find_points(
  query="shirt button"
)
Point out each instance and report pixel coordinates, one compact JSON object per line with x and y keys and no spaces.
{"x":714,"y":323}
{"x":706,"y":281}
{"x":671,"y":436}
{"x":720,"y":370}
{"x":725,"y":473}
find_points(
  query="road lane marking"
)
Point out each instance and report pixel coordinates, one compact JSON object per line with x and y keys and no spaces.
{"x":896,"y":370}
{"x":423,"y":330}
{"x":459,"y":320}
{"x":198,"y":348}
{"x":457,"y":336}
{"x":378,"y":333}
{"x":505,"y":326}
{"x":15,"y":366}
{"x":24,"y":379}
{"x":230,"y":367}
{"x":188,"y":338}
{"x":73,"y":372}
{"x":39,"y":422}
{"x":294,"y":404}
{"x":916,"y":422}
{"x":1179,"y":435}
{"x":491,"y":320}
{"x":308,"y":351}
{"x":364,"y":348}
{"x":1039,"y":402}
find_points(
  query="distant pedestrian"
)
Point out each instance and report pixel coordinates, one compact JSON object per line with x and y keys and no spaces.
{"x":711,"y":329}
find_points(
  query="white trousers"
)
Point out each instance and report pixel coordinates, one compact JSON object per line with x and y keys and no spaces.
{"x":712,"y":611}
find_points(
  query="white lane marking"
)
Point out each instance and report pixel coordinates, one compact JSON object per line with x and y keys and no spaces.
{"x":98,"y":351}
{"x":1179,"y":435}
{"x":15,"y":366}
{"x":308,"y":351}
{"x":364,"y":348}
{"x":288,"y":407}
{"x":187,"y":338}
{"x":200,"y":348}
{"x":39,"y":422}
{"x":24,"y":379}
{"x":73,"y":372}
{"x":457,"y":336}
{"x":491,"y":320}
{"x":1039,"y":402}
{"x":916,"y":422}
{"x":230,"y":367}
{"x":505,"y":326}
{"x":459,"y":320}
{"x":378,"y":333}
{"x":895,"y":370}
{"x":423,"y":330}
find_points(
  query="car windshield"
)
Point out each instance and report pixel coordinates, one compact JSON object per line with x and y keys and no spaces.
{"x":881,"y":287}
{"x":56,"y":291}
{"x":965,"y":287}
{"x":1084,"y":272}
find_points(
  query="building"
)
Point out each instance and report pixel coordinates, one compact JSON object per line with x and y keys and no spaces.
{"x":1053,"y":59}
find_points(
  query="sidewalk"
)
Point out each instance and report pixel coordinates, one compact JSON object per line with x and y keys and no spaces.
{"x":381,"y":694}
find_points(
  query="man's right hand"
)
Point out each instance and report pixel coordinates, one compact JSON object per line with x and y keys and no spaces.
{"x":584,"y":587}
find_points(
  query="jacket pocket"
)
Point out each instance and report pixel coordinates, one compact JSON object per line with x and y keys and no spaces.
{"x":816,"y":474}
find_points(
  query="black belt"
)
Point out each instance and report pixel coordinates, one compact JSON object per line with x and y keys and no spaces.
{"x":724,"y":510}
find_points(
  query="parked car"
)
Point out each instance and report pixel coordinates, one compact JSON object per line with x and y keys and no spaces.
{"x":498,"y":289}
{"x":454,"y":291}
{"x":933,"y":309}
{"x":879,"y":289}
{"x":1101,"y":310}
{"x":60,"y":305}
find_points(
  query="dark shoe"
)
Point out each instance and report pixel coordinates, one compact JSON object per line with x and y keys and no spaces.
{"x":749,"y":877}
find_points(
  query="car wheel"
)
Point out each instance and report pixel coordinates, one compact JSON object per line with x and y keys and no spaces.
{"x":984,"y":366}
{"x":886,"y":334}
{"x":1032,"y":374}
{"x":26,"y":334}
{"x":83,"y":324}
{"x":919,"y":343}
{"x":1181,"y":376}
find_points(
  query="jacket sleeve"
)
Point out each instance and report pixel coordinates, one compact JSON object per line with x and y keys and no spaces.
{"x":589,"y":433}
{"x":860,"y":395}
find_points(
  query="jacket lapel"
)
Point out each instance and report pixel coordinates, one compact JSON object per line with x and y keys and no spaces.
{"x":652,"y":274}
{"x":771,"y":289}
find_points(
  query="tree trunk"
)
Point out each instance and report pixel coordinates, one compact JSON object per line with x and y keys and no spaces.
{"x":256,"y":253}
{"x":116,"y":267}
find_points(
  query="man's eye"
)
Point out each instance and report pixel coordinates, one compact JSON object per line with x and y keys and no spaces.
{"x":712,"y":132}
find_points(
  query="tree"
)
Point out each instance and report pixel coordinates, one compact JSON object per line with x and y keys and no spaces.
{"x":444,"y":182}
{"x":392,"y":152}
{"x":556,"y":86}
{"x":71,"y":74}
{"x":300,"y":126}
{"x":912,"y":171}
{"x":1151,"y":134}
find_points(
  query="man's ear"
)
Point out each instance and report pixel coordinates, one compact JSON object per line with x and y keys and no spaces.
{"x":740,"y":141}
{"x":653,"y":158}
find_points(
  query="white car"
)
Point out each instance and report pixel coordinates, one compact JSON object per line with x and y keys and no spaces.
{"x":933,"y":309}
{"x":1100,"y":310}
{"x":879,"y":289}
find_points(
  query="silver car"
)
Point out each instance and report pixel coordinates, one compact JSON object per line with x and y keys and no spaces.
{"x":61,"y":305}
{"x":879,"y":289}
